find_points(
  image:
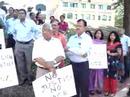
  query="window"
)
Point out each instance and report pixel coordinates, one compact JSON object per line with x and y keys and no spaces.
{"x":93,"y":17}
{"x":69,"y":15}
{"x":76,"y":16}
{"x":65,"y":4}
{"x":82,"y":15}
{"x":88,"y":16}
{"x":100,"y":6}
{"x":83,"y":5}
{"x":74,"y":5}
{"x":92,"y":6}
{"x":104,"y":18}
{"x":109,"y":19}
{"x":108,"y":7}
{"x":99,"y":17}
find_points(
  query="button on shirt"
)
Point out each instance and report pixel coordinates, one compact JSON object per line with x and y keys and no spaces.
{"x":125,"y":41}
{"x":77,"y":46}
{"x":25,"y":31}
{"x":48,"y":50}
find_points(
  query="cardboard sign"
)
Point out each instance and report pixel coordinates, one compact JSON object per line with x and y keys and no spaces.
{"x":8,"y":75}
{"x":2,"y":39}
{"x":98,"y":57}
{"x":60,"y":85}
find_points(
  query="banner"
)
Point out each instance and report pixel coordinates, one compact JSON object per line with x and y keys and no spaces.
{"x":8,"y":75}
{"x":60,"y":85}
{"x":98,"y":57}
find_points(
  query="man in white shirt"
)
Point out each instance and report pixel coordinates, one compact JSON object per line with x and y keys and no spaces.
{"x":47,"y":52}
{"x":125,"y":41}
{"x":78,"y":48}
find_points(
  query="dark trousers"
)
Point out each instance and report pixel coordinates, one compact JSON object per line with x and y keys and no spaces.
{"x":81,"y":75}
{"x":23,"y":55}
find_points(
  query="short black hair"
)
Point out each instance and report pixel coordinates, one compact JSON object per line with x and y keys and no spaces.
{"x":23,"y":11}
{"x":102,"y":34}
{"x":85,"y":23}
{"x":62,"y":16}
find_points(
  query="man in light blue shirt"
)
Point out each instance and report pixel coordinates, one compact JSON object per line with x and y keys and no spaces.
{"x":78,"y":48}
{"x":24,"y":33}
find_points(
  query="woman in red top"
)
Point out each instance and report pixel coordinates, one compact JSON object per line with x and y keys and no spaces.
{"x":114,"y":51}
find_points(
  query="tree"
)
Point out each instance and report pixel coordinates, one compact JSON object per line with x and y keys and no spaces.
{"x":126,"y":18}
{"x":126,"y":14}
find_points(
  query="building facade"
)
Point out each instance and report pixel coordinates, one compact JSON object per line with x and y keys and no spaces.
{"x":95,"y":12}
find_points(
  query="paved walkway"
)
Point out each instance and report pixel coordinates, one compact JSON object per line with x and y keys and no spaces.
{"x":122,"y":90}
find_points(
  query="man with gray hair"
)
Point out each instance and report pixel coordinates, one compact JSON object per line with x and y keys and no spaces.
{"x":125,"y":41}
{"x":47,"y":52}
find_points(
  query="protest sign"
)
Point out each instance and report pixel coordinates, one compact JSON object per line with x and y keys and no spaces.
{"x":8,"y":75}
{"x":2,"y":39}
{"x":60,"y":85}
{"x":98,"y":57}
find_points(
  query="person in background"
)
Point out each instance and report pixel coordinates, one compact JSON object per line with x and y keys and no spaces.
{"x":33,"y":17}
{"x":125,"y":41}
{"x":52,"y":18}
{"x":24,"y":33}
{"x":77,"y":50}
{"x":11,"y":11}
{"x":115,"y":53}
{"x":48,"y":52}
{"x":57,"y":34}
{"x":10,"y":42}
{"x":63,"y":26}
{"x":40,"y":18}
{"x":96,"y":75}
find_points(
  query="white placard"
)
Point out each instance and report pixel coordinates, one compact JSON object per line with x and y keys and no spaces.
{"x":2,"y":39}
{"x":98,"y":57}
{"x":62,"y":85}
{"x":8,"y":75}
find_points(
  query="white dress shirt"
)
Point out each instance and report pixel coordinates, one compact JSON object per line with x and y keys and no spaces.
{"x":48,"y":50}
{"x":125,"y":41}
{"x":78,"y":46}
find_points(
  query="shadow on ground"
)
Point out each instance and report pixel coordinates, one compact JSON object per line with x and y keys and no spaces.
{"x":17,"y":91}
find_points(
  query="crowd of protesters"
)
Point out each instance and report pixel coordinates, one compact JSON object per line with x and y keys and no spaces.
{"x":33,"y":40}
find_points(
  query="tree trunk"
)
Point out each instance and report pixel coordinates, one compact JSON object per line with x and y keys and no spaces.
{"x":126,"y":18}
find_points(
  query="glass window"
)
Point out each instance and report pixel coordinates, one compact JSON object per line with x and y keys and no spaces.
{"x":104,"y":18}
{"x":100,"y":6}
{"x":108,"y":7}
{"x":93,"y":17}
{"x":65,"y":4}
{"x":109,"y":19}
{"x":88,"y":16}
{"x":69,"y":15}
{"x":76,"y":16}
{"x":99,"y":17}
{"x":92,"y":6}
{"x":74,"y":5}
{"x":83,"y":5}
{"x":82,"y":15}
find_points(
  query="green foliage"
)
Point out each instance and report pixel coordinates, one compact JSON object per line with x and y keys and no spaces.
{"x":119,"y":7}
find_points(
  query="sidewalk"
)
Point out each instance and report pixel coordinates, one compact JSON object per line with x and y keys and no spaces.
{"x":122,"y":90}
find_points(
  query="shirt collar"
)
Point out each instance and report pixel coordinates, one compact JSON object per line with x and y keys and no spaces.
{"x":81,"y":36}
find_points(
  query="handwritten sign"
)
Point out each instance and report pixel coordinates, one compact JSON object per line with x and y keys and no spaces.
{"x":60,"y":85}
{"x":98,"y":57}
{"x":8,"y":75}
{"x":2,"y":39}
